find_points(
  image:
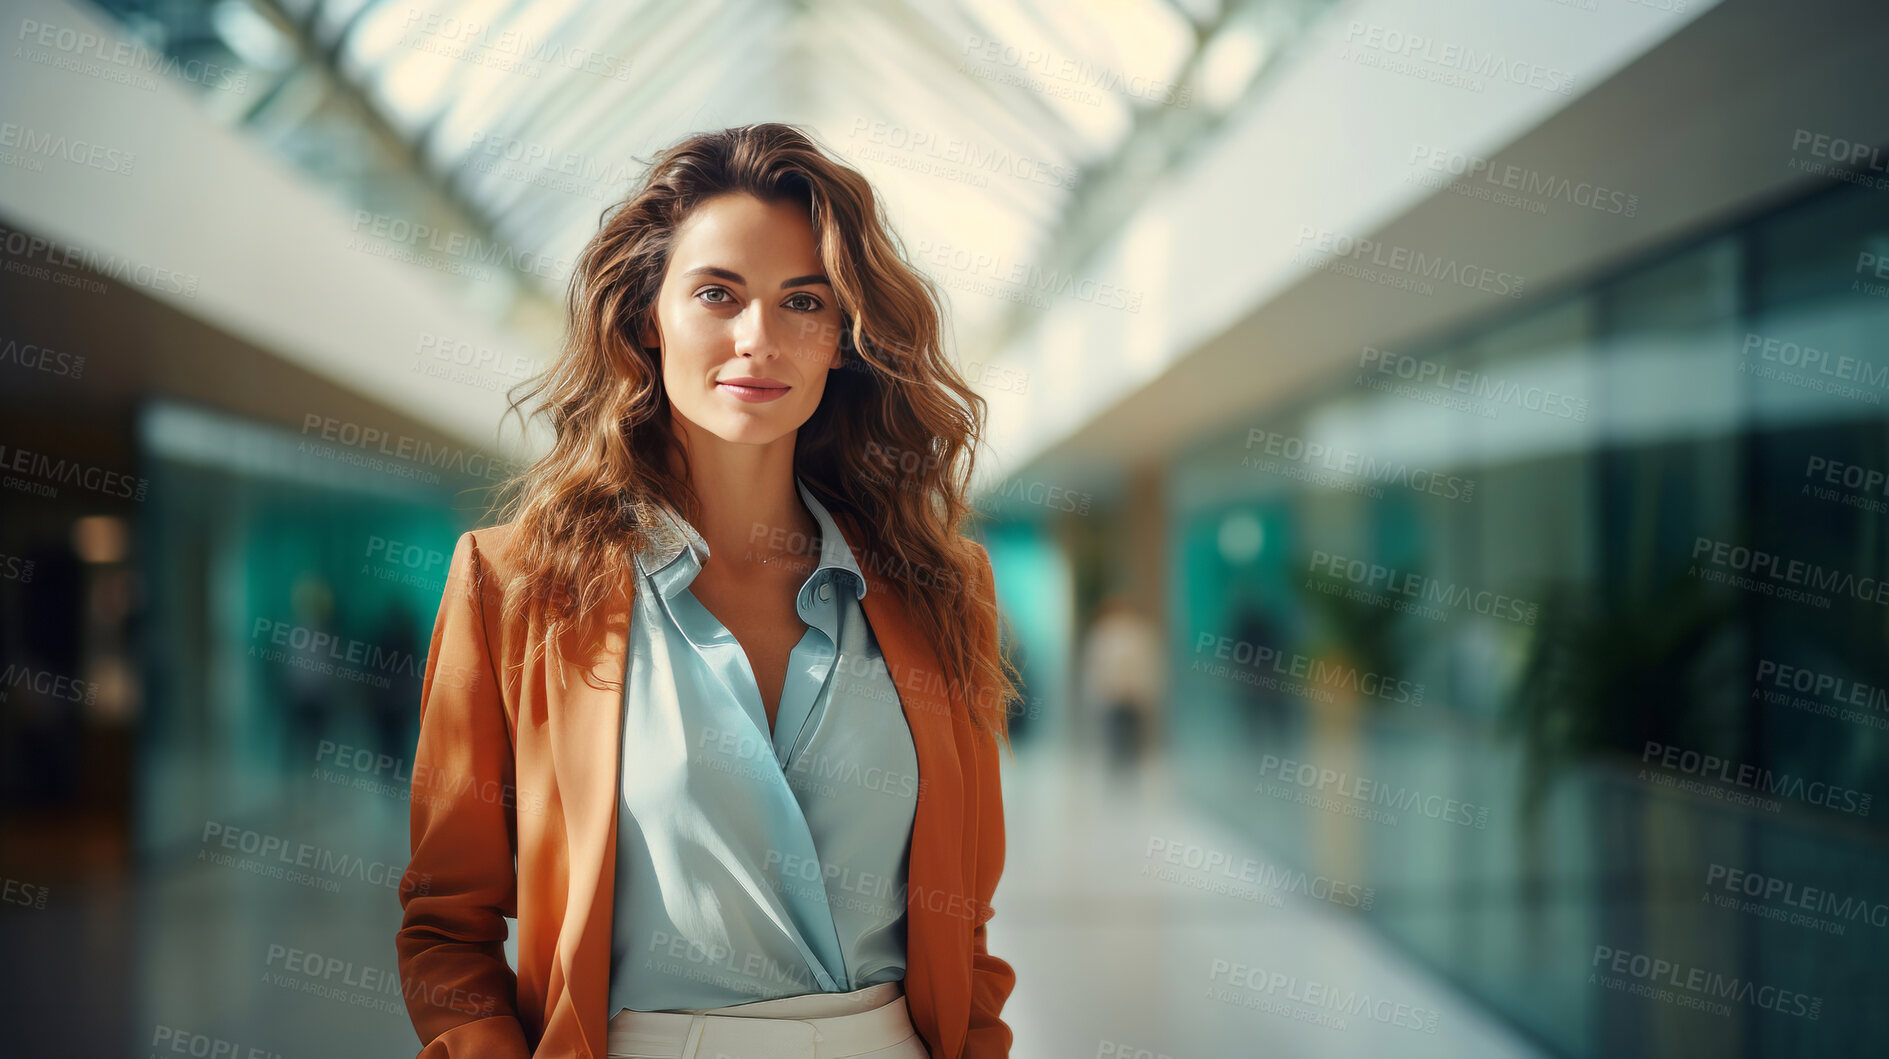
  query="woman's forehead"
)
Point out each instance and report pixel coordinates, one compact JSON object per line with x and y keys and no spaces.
{"x":741,"y":227}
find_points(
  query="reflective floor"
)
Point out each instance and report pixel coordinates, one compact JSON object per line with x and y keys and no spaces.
{"x":1121,"y":952}
{"x":1121,"y":948}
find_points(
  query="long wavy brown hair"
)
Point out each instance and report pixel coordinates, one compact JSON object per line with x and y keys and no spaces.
{"x":891,"y":442}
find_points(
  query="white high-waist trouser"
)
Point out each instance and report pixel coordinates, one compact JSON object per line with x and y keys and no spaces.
{"x":870,"y":1022}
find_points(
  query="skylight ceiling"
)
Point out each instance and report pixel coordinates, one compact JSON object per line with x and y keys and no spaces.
{"x":982,"y":122}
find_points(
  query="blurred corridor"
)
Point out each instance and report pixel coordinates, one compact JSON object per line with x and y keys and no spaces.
{"x":1437,"y":485}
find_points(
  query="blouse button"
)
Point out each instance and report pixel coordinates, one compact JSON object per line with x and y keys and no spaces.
{"x":826,"y":591}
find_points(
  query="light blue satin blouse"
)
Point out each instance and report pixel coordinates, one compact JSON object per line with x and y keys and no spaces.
{"x":755,"y":864}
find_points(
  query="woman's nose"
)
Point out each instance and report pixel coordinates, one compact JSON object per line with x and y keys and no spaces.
{"x":754,"y":334}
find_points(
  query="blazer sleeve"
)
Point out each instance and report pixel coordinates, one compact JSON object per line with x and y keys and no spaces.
{"x":461,"y":879}
{"x":992,"y":979}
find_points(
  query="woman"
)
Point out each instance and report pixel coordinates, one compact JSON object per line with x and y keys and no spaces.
{"x":727,"y":682}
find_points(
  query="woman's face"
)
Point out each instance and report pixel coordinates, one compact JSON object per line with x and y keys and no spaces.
{"x":745,"y":297}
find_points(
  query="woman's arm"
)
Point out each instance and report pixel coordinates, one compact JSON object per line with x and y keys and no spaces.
{"x":992,"y":979}
{"x":462,"y":880}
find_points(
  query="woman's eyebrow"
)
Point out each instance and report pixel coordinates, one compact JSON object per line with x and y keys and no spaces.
{"x":735,"y":277}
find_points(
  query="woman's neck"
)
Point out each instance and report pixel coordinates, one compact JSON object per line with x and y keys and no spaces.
{"x":750,"y":507}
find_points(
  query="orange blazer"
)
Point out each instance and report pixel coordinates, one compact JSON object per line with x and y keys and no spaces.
{"x":514,"y":813}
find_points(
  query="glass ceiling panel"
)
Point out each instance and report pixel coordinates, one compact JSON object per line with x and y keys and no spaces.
{"x":984,"y":123}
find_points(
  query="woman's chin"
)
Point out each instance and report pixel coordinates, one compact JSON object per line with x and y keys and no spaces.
{"x":750,"y":428}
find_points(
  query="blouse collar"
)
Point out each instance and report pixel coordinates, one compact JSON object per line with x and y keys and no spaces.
{"x":676,"y":552}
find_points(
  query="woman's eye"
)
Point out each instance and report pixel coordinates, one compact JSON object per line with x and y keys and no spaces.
{"x":804,"y":302}
{"x":715,"y":290}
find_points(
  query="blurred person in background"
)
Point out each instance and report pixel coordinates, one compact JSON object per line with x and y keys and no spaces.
{"x":308,"y":690}
{"x":1121,"y":678}
{"x":390,"y":704}
{"x":728,"y":645}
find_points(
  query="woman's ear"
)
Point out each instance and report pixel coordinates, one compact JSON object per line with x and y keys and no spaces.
{"x":647,"y":334}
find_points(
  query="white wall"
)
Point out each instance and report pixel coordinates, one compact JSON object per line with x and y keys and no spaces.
{"x":1328,"y":143}
{"x":199,"y":206}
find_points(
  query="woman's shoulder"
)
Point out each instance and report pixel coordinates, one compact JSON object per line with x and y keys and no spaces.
{"x":978,"y":558}
{"x":492,"y":547}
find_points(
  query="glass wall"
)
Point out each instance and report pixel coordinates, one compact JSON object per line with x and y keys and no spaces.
{"x":1558,"y":645}
{"x":293,"y":590}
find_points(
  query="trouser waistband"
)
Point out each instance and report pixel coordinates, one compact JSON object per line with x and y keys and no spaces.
{"x":810,"y":1026}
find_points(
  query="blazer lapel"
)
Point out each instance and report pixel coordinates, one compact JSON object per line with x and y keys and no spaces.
{"x":586,"y":724}
{"x":937,"y":933}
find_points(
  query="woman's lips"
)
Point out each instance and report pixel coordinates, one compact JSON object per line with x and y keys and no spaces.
{"x":756,"y":390}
